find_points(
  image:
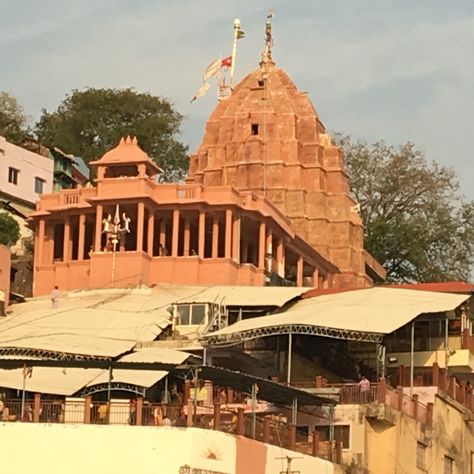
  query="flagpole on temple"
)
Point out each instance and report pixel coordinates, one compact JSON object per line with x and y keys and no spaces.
{"x":234,"y":49}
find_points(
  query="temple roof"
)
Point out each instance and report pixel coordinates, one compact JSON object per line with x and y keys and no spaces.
{"x":127,"y":151}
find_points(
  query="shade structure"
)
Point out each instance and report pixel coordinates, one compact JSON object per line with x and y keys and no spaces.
{"x":69,"y":380}
{"x":109,"y":323}
{"x":364,"y":315}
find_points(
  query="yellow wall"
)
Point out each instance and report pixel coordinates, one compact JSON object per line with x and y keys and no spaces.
{"x":388,"y":444}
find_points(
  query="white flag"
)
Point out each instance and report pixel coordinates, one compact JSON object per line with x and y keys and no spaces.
{"x":202,"y":91}
{"x":212,"y":70}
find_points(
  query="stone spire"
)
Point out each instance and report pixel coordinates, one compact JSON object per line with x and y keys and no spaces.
{"x":267,"y":138}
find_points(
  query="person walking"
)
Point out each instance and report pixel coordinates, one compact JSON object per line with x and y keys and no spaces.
{"x":55,"y":297}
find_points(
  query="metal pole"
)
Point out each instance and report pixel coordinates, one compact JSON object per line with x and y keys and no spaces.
{"x":23,"y":397}
{"x":196,"y":374}
{"x":165,"y":398}
{"x":412,"y":357}
{"x":294,"y":411}
{"x":113,"y":265}
{"x":109,"y":390}
{"x":254,"y":414}
{"x":383,"y":356}
{"x":290,"y":348}
{"x":446,"y":345}
{"x":234,"y":49}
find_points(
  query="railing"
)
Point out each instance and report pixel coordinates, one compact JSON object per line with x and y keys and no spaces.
{"x":52,"y":411}
{"x":272,"y":429}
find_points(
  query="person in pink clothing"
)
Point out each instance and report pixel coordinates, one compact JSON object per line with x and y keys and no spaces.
{"x":364,"y":387}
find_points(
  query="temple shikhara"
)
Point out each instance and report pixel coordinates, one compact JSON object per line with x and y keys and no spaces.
{"x":266,"y":202}
{"x":232,"y":323}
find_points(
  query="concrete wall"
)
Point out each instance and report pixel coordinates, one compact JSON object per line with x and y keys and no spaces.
{"x":30,"y":165}
{"x":388,"y":444}
{"x":76,"y":449}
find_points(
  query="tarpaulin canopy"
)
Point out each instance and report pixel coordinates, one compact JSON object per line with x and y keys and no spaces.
{"x":364,"y":315}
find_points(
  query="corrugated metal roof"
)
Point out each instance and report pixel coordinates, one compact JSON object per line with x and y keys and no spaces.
{"x":373,"y":310}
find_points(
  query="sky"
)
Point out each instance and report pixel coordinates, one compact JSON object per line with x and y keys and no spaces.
{"x":398,"y":70}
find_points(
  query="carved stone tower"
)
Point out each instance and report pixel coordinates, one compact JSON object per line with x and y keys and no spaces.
{"x":267,"y":138}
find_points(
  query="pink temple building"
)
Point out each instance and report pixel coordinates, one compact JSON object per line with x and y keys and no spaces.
{"x":266,"y":202}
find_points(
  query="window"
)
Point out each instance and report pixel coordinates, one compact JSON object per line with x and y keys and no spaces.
{"x":39,"y":184}
{"x":341,"y":433}
{"x":261,"y":83}
{"x":420,"y":456}
{"x":13,"y":175}
{"x":448,"y":465}
{"x":254,"y":130}
{"x":190,"y":314}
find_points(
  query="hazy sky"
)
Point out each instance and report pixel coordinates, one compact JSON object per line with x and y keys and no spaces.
{"x":393,"y":69}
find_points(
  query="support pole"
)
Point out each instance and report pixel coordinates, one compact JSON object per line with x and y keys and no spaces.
{"x":446,"y":346}
{"x":294,"y":411}
{"x":254,"y":406}
{"x":412,"y":357}
{"x":23,"y":394}
{"x":290,"y":348}
{"x":234,"y":49}
{"x":109,"y":391}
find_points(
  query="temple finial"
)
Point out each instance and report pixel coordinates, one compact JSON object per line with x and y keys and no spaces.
{"x":267,"y":52}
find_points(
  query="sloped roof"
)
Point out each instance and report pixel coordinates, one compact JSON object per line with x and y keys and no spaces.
{"x":109,"y":323}
{"x":365,"y":314}
{"x":67,"y":381}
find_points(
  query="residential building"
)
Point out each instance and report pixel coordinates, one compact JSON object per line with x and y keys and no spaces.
{"x":24,"y":176}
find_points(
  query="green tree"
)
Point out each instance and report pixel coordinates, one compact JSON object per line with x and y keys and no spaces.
{"x":88,"y":123}
{"x":12,"y":119}
{"x":416,"y":223}
{"x":9,"y":230}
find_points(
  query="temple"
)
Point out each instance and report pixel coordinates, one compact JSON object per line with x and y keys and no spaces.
{"x":266,"y":202}
{"x":183,"y":323}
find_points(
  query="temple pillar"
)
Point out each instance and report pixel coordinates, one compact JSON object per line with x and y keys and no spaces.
{"x":215,"y":237}
{"x":140,"y":225}
{"x":269,"y":250}
{"x":151,"y":232}
{"x":299,"y":271}
{"x":236,"y":239}
{"x":67,"y":240}
{"x":280,"y":256}
{"x":82,"y":236}
{"x":261,"y":245}
{"x":228,"y":234}
{"x":316,"y":278}
{"x":187,"y":237}
{"x":202,"y":233}
{"x":98,"y":227}
{"x":175,"y":237}
{"x":39,"y":249}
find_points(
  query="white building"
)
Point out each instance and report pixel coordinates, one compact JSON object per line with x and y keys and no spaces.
{"x":24,"y":175}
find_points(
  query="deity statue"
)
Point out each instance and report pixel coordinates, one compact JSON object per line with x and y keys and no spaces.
{"x":107,"y":225}
{"x":126,"y":224}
